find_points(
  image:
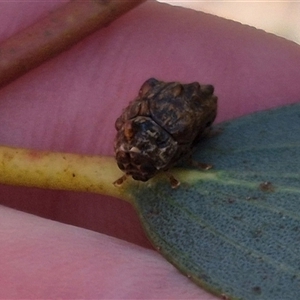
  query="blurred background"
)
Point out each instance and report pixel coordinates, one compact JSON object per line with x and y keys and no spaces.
{"x":279,"y":17}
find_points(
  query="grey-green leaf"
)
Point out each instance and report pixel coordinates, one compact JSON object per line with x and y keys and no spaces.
{"x":235,"y":230}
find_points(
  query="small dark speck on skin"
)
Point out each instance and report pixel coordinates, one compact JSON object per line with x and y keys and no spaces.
{"x":103,"y":2}
{"x":74,"y":175}
{"x":47,"y":33}
{"x":12,"y":51}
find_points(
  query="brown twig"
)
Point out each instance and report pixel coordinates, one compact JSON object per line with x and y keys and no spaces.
{"x":55,"y":33}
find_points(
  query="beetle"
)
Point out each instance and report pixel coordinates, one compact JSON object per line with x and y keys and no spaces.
{"x":161,"y":126}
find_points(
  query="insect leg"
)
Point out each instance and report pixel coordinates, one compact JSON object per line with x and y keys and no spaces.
{"x":173,"y":181}
{"x":120,"y":181}
{"x":200,"y":165}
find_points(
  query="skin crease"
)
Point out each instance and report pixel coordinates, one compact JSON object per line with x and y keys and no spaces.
{"x":70,"y":104}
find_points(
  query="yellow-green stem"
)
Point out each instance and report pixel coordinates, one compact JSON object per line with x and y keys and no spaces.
{"x":62,"y":171}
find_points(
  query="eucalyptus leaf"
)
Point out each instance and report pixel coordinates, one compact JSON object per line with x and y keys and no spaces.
{"x":235,"y":229}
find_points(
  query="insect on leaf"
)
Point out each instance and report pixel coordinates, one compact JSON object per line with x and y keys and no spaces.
{"x":235,"y":229}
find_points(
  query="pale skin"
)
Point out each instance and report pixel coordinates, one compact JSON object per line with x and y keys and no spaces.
{"x":70,"y":104}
